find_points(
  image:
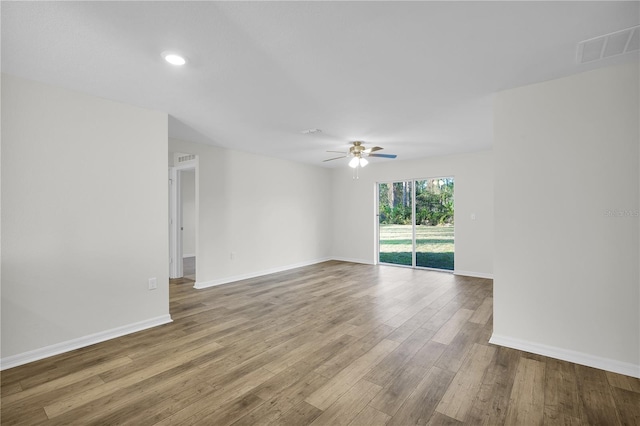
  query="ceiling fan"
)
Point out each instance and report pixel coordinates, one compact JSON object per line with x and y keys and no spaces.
{"x":359,"y":153}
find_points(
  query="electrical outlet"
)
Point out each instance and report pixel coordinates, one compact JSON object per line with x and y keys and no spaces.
{"x":232,"y":255}
{"x":153,"y":283}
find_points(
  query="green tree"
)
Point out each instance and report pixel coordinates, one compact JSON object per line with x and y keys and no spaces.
{"x":434,"y":201}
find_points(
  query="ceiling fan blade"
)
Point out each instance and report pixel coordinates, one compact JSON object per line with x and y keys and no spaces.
{"x":375,"y":148}
{"x":330,"y":159}
{"x":339,"y":152}
{"x":383,"y":155}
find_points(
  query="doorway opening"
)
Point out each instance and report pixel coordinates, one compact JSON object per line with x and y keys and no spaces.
{"x":183,"y":213}
{"x":416,"y":223}
{"x":188,"y":225}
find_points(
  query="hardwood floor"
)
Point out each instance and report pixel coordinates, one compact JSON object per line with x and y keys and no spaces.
{"x":330,"y":344}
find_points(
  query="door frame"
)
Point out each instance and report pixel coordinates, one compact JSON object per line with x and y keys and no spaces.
{"x":175,"y":218}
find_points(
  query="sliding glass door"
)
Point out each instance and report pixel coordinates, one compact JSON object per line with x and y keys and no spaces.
{"x":395,"y":237}
{"x":434,"y":223}
{"x":415,"y":223}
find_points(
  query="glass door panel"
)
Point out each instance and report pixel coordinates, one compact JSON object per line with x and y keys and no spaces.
{"x":434,"y":223}
{"x":395,"y":238}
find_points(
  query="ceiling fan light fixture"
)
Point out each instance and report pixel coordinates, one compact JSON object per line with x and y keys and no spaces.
{"x":357,"y":152}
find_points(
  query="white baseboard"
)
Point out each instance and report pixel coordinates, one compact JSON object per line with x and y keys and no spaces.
{"x":352,"y":260}
{"x":220,"y":281}
{"x":473,"y":274}
{"x":212,"y":283}
{"x":80,"y":342}
{"x":581,"y":358}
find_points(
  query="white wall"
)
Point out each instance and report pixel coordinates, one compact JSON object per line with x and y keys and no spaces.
{"x":188,"y":194}
{"x":354,"y":212}
{"x":271,"y":214}
{"x":84,"y":219}
{"x":566,"y":271}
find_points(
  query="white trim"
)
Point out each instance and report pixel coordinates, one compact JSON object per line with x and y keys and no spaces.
{"x":414,"y":243}
{"x":206,"y":284}
{"x":581,"y":358}
{"x":188,"y":255}
{"x":352,"y":260}
{"x":175,"y":220}
{"x":473,"y":274}
{"x":175,"y":215}
{"x":190,"y":165}
{"x":81,"y":342}
{"x":220,"y":281}
{"x":376,"y":215}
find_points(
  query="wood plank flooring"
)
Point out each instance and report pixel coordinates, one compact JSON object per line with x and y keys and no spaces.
{"x":329,"y":344}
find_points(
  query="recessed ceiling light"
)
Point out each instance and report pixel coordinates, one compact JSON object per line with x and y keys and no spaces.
{"x":174,"y":58}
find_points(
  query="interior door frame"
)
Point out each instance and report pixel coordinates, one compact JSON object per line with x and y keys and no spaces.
{"x":175,"y":219}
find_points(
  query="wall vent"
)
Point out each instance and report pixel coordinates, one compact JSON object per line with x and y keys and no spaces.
{"x":185,"y":158}
{"x":608,"y":45}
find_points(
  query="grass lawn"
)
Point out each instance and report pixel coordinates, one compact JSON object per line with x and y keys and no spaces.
{"x":434,"y":245}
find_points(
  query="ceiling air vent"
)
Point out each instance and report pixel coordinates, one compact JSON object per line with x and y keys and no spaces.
{"x":612,"y":44}
{"x":185,"y":158}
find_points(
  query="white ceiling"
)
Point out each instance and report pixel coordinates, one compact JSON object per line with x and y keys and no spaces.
{"x":414,"y":77}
